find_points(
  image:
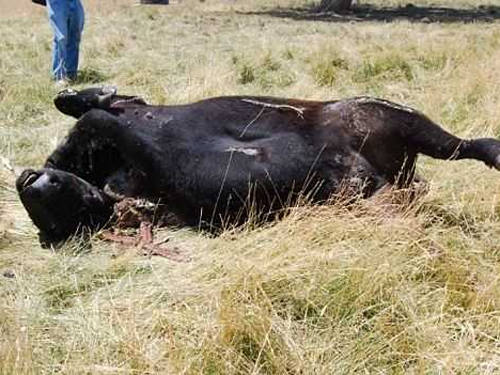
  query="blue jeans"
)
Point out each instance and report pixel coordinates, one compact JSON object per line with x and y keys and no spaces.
{"x":66,"y":19}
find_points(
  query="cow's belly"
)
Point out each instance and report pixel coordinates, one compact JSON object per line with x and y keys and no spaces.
{"x":271,"y":170}
{"x":281,"y":160}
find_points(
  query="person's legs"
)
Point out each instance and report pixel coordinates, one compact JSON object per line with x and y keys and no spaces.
{"x":57,"y":10}
{"x":75,"y":27}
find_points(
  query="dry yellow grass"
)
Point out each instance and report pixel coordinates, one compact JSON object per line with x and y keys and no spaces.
{"x":327,"y":290}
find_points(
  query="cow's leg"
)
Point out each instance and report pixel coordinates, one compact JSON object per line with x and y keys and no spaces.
{"x":90,"y":150}
{"x":391,"y":137}
{"x":430,"y":139}
{"x":77,"y":103}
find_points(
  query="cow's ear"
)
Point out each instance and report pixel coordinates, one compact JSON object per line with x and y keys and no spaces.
{"x":92,"y":200}
{"x":98,"y":204}
{"x":48,"y":241}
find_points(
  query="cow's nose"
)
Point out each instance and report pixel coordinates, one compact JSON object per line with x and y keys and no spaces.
{"x":46,"y":184}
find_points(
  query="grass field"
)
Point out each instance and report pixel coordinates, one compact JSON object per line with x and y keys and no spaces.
{"x":327,"y":290}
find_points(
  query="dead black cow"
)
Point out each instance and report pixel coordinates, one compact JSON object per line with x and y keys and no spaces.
{"x":218,"y":159}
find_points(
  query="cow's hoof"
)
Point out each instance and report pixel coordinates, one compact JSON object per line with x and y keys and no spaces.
{"x":109,"y":90}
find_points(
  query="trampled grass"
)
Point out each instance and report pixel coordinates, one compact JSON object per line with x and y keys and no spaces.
{"x":326,"y":290}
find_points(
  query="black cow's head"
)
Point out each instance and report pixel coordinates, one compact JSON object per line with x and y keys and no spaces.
{"x":62,"y":204}
{"x":77,"y":103}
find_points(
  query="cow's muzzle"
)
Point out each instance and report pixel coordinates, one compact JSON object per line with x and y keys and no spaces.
{"x":37,"y":184}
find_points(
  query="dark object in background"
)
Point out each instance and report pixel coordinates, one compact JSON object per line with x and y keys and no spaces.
{"x":39,"y":2}
{"x":164,"y":2}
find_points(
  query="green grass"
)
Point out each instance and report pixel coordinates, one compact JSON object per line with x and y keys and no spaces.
{"x":326,"y":290}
